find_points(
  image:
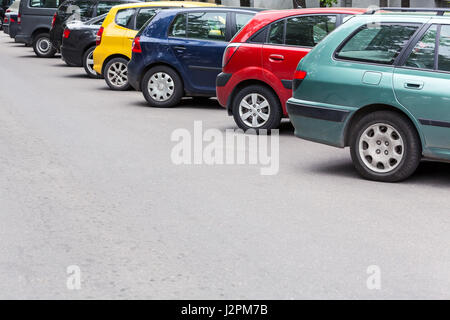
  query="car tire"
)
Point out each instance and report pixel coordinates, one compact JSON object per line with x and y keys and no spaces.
{"x":88,"y":64}
{"x":162,"y":87}
{"x":385,"y":146}
{"x":42,"y":46}
{"x":267,"y":113}
{"x":116,"y":74}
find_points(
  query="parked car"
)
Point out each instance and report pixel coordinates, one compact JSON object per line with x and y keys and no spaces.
{"x":379,"y":84}
{"x":4,"y":5}
{"x":34,"y":21}
{"x":259,"y":64}
{"x":117,"y":33}
{"x":10,"y":17}
{"x":79,"y":43}
{"x":179,"y":53}
{"x":78,"y":10}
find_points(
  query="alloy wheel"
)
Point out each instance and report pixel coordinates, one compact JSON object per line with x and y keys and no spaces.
{"x":254,"y":110}
{"x":118,"y":74}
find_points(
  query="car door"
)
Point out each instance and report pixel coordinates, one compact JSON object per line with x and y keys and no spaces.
{"x":200,"y":46}
{"x":290,"y":40}
{"x":422,"y":84}
{"x":117,"y":36}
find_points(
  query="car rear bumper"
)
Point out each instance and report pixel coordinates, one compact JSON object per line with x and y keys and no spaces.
{"x":100,"y":56}
{"x":71,"y":56}
{"x":6,"y":28}
{"x":319,"y":122}
{"x":223,"y":91}
{"x":22,"y":38}
{"x":134,"y":75}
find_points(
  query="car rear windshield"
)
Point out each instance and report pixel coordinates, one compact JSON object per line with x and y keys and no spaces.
{"x":44,"y":3}
{"x":377,"y":43}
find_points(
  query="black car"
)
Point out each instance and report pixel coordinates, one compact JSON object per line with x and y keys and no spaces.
{"x":78,"y":10}
{"x":78,"y":44}
{"x":4,"y":4}
{"x":10,"y":24}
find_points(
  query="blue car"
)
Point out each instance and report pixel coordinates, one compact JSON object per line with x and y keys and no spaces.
{"x":179,"y":52}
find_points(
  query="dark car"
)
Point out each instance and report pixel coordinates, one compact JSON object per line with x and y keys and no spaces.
{"x":10,"y":24}
{"x":34,"y":19}
{"x":78,"y":10}
{"x":4,"y":5}
{"x":78,"y":44}
{"x":179,"y":53}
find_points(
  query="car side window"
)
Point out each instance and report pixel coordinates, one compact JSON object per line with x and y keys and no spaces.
{"x":242,"y":19}
{"x":44,"y":3}
{"x":178,"y":27}
{"x":143,"y":16}
{"x":207,"y":25}
{"x":423,"y":53}
{"x":308,"y":31}
{"x":123,"y":17}
{"x":444,"y":49}
{"x":379,"y":43}
{"x":276,"y":33}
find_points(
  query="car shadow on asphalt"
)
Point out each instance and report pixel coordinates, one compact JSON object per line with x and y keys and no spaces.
{"x":428,"y":173}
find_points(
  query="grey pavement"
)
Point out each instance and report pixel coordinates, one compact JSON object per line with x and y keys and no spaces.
{"x":86,"y":179}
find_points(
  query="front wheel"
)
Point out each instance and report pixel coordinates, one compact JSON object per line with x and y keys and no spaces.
{"x":116,"y":74}
{"x":162,"y":87}
{"x":88,"y":64}
{"x":385,"y":147}
{"x":43,"y":47}
{"x":257,"y":107}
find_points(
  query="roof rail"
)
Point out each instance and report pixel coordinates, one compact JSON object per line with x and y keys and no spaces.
{"x":439,"y":11}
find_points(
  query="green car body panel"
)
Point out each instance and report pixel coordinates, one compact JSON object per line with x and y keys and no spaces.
{"x":335,"y":90}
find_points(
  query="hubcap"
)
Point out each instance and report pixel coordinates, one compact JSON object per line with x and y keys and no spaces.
{"x":161,"y":86}
{"x":43,"y":45}
{"x":381,"y":148}
{"x":90,"y":62}
{"x":254,"y":110}
{"x":118,"y":74}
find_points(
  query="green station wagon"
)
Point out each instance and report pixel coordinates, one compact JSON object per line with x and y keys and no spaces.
{"x":380,"y":84}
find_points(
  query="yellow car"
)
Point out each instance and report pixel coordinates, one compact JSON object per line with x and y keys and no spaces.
{"x":116,"y":35}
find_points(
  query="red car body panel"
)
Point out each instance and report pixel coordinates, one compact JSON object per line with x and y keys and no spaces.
{"x":267,"y":63}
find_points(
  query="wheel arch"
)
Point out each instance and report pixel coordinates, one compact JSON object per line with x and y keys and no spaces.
{"x":38,"y":31}
{"x":379,"y":107}
{"x":246,"y":83}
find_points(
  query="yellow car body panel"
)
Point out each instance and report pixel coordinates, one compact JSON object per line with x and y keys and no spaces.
{"x":117,"y":40}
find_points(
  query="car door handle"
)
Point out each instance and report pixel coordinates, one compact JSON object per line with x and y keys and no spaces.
{"x":276,"y":57}
{"x":179,"y":48}
{"x":414,"y":85}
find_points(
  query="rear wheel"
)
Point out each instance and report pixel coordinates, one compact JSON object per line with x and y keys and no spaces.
{"x":256,"y":107}
{"x":88,"y":64}
{"x":385,"y":147}
{"x":116,"y":74}
{"x":42,"y":46}
{"x":162,"y":87}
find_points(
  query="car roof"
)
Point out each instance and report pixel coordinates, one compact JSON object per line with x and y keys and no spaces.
{"x":174,"y":4}
{"x":212,"y":8}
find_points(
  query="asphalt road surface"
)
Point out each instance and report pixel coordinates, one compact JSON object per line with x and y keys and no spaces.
{"x":87,"y":180}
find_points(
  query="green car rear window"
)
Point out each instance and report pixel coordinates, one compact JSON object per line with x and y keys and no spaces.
{"x":377,"y":43}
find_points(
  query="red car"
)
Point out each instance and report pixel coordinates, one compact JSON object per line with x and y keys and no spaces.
{"x":260,"y":62}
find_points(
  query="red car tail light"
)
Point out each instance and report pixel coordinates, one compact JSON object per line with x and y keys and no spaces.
{"x":137,"y":45}
{"x":300,"y":75}
{"x":11,"y":20}
{"x":66,"y":33}
{"x":5,"y":20}
{"x":53,"y":20}
{"x":19,"y":18}
{"x":229,"y":53}
{"x":98,"y":38}
{"x":9,"y":10}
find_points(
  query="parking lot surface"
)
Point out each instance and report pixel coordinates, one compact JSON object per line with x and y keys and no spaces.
{"x":87,"y":180}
